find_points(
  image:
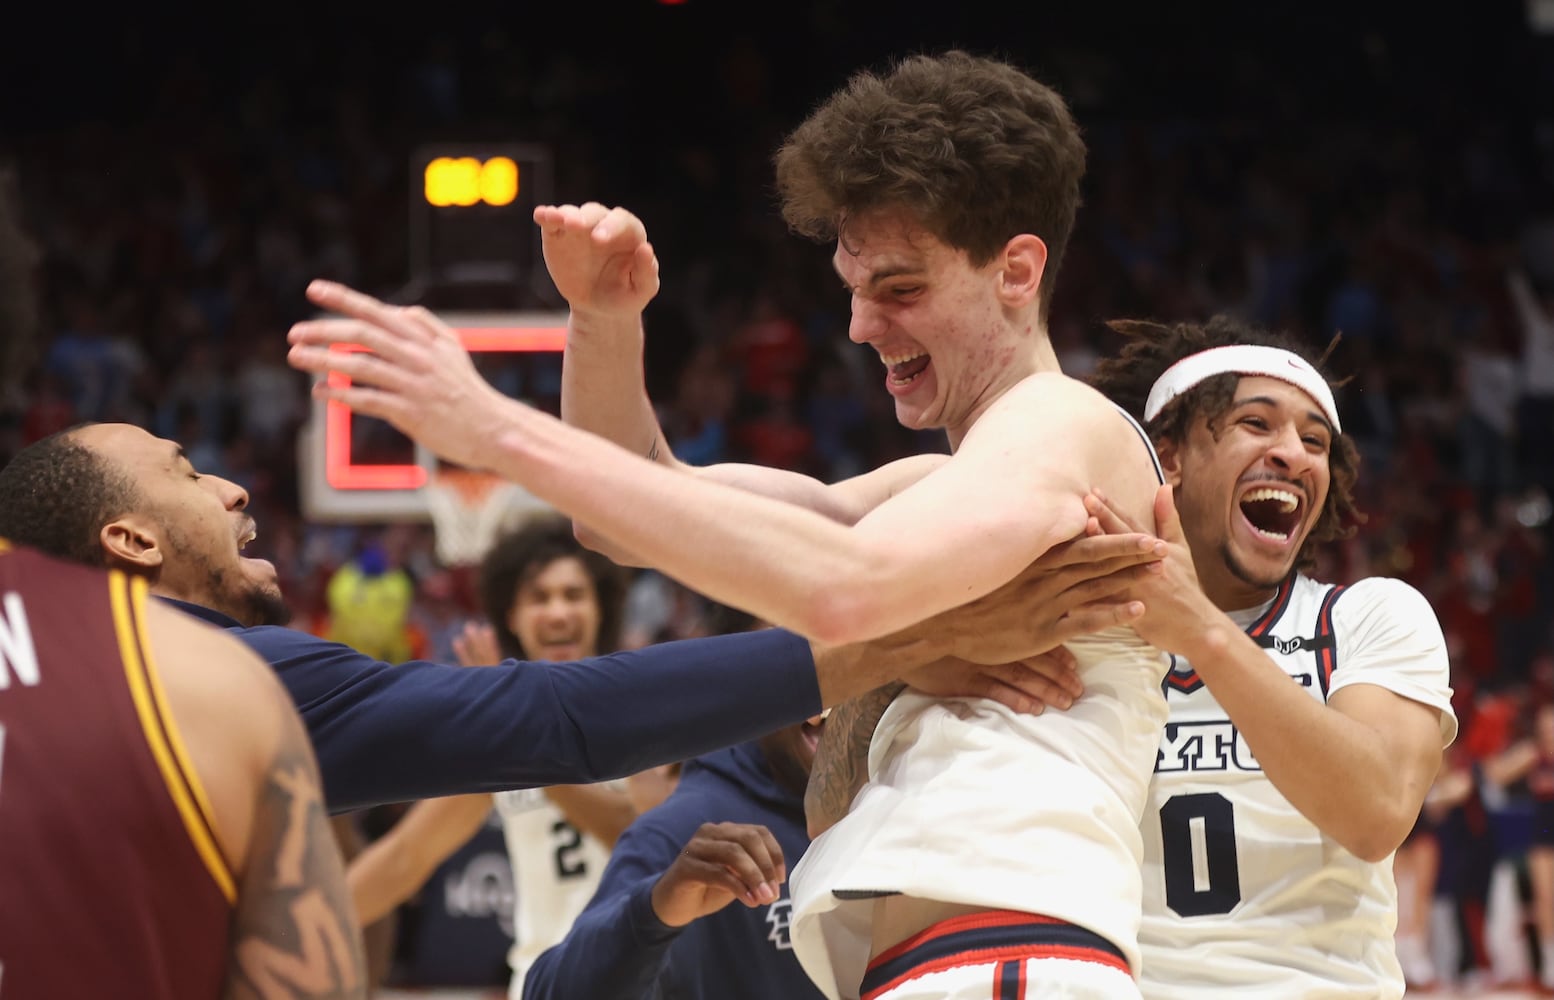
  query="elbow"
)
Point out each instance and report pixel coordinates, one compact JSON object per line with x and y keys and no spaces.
{"x":589,"y":539}
{"x":1374,"y":840}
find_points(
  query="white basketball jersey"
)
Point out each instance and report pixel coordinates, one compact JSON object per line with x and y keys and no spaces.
{"x":556,"y":868}
{"x":1243,"y":896}
{"x":968,"y":802}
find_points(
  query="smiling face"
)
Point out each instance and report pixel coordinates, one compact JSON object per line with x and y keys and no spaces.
{"x":556,"y":613}
{"x":1250,"y":489}
{"x":187,"y":530}
{"x":952,"y":337}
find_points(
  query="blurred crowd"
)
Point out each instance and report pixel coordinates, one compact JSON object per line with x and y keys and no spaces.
{"x":1413,"y":226}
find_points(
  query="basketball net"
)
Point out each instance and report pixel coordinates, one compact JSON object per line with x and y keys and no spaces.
{"x":469,"y":510}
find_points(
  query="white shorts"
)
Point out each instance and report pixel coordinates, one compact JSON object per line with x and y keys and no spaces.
{"x":1001,"y":955}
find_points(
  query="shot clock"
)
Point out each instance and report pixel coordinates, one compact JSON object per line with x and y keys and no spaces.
{"x":472,"y":215}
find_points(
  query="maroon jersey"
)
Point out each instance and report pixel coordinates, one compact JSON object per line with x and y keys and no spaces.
{"x":111,"y":882}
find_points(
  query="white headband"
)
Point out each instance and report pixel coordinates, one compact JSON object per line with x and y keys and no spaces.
{"x":1241,"y":359}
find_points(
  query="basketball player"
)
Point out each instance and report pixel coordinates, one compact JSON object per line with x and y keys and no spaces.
{"x":951,"y":186}
{"x":1275,"y":806}
{"x":550,"y":600}
{"x":162,"y":833}
{"x":113,"y":495}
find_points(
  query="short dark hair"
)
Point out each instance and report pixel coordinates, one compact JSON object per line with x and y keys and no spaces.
{"x":1151,"y":348}
{"x":974,"y":148}
{"x":56,"y":495}
{"x":18,"y":301}
{"x":518,"y":556}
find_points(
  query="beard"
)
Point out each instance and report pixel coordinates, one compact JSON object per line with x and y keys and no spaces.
{"x":1246,"y":576}
{"x":229,"y":591}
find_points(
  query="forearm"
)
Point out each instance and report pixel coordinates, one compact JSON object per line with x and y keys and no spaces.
{"x":841,"y":764}
{"x":602,"y":385}
{"x":600,"y":811}
{"x":615,"y":949}
{"x":787,"y":564}
{"x":1347,"y":777}
{"x":394,"y":867}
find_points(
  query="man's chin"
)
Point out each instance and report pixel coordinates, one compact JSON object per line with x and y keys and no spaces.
{"x":266,"y":606}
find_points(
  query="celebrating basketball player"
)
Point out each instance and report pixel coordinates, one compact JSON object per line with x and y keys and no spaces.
{"x":1307,"y":720}
{"x":950,"y":186}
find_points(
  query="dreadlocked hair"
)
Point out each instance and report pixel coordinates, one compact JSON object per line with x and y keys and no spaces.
{"x":1151,"y":348}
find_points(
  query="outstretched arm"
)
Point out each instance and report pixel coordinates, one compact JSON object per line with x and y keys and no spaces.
{"x":956,"y":535}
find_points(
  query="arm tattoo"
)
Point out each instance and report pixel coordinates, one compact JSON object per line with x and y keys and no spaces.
{"x":294,"y":933}
{"x":842,"y":759}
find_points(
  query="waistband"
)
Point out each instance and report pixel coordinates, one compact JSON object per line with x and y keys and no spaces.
{"x":986,"y":938}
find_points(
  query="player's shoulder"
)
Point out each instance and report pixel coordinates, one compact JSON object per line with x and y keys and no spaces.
{"x":1385,"y":593}
{"x":1382,"y":601}
{"x":1057,"y":401}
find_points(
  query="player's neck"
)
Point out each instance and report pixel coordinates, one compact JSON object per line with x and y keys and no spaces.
{"x":1033,"y":356}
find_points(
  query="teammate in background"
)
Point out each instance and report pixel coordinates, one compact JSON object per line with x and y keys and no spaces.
{"x":113,"y":495}
{"x":549,"y":600}
{"x":661,"y":923}
{"x":950,"y":186}
{"x":162,"y":825}
{"x":1276,"y":806}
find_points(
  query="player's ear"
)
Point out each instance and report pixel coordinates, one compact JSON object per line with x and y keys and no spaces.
{"x":1170,"y":460}
{"x":129,"y":543}
{"x":1024,"y":262}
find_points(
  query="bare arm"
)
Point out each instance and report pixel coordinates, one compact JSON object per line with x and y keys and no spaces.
{"x":1358,"y":766}
{"x":395,"y":866}
{"x":601,"y":811}
{"x":841,"y":765}
{"x":293,"y":933}
{"x":972,"y":524}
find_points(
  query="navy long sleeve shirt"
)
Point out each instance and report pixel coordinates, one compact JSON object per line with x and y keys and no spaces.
{"x":396,"y":732}
{"x":618,"y":949}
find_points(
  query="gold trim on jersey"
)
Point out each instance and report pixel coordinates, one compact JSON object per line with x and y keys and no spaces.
{"x":183,"y":785}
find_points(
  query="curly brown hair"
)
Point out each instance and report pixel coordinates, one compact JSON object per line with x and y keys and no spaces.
{"x":974,"y":148}
{"x":1151,"y":348}
{"x":520,"y":555}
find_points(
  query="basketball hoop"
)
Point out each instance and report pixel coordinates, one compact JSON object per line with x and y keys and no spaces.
{"x":469,"y":510}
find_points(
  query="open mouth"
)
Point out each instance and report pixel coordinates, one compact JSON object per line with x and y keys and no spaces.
{"x":1274,"y":512}
{"x":904,"y":368}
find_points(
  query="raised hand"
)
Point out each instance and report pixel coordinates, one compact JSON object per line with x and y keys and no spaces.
{"x":722,"y":862}
{"x":599,"y":258}
{"x":476,"y":645}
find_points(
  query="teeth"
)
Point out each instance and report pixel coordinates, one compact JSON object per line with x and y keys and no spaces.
{"x":891,"y":360}
{"x":1275,"y":535}
{"x":1287,"y":501}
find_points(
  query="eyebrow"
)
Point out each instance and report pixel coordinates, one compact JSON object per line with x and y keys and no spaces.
{"x":1316,"y":415}
{"x":884,"y":274}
